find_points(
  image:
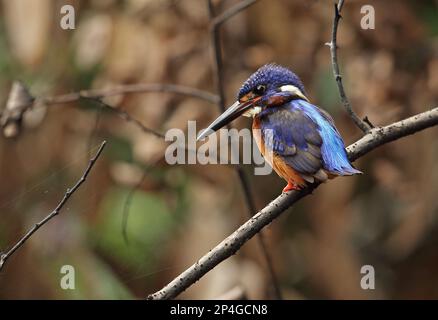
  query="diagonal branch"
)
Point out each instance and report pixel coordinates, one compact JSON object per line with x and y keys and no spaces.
{"x":362,"y":125}
{"x":218,"y":72}
{"x":124,"y":115}
{"x":70,"y":191}
{"x":231,"y":12}
{"x":230,"y":245}
{"x":20,"y":101}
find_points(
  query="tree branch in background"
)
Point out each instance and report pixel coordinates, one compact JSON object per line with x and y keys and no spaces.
{"x":362,"y":125}
{"x":20,"y":101}
{"x":217,"y":57}
{"x":216,"y":22}
{"x":231,"y":12}
{"x":124,"y":115}
{"x":5,"y":256}
{"x":133,"y":88}
{"x":230,"y":245}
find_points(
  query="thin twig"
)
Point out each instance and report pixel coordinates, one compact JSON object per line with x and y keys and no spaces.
{"x":10,"y":118}
{"x":131,"y":88}
{"x":126,"y":116}
{"x":93,"y":131}
{"x":5,"y":256}
{"x":230,"y":245}
{"x":218,"y":72}
{"x":231,"y":12}
{"x":368,"y":121}
{"x":362,"y":125}
{"x":217,"y":58}
{"x":99,"y":94}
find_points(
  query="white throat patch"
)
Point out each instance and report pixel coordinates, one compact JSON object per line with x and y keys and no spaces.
{"x":251,"y":113}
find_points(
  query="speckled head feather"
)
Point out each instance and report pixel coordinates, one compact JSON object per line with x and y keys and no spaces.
{"x":272,"y":76}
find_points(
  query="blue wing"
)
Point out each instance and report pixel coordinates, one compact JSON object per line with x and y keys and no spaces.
{"x":306,"y":138}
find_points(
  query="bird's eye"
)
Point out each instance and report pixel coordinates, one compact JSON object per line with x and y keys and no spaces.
{"x":259,"y":90}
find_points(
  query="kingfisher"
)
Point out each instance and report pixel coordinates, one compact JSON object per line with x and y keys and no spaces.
{"x":299,"y":140}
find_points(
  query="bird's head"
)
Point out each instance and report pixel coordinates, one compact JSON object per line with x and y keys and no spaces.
{"x":271,"y":85}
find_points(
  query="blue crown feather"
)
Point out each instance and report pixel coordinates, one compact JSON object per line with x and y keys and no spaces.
{"x":273,"y":76}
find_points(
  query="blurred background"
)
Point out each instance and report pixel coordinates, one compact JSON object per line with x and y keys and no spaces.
{"x":386,"y":218}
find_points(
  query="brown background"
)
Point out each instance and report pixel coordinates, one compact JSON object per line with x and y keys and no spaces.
{"x":386,"y":218}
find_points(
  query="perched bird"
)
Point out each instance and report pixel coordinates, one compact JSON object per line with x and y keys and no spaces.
{"x":299,"y":140}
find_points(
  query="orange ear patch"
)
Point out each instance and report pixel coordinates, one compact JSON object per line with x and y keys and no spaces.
{"x":246,"y":97}
{"x":276,"y":100}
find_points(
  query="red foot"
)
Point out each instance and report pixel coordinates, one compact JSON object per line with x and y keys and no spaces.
{"x":290,"y":186}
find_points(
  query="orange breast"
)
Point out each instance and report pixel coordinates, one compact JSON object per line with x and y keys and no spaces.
{"x":277,"y":163}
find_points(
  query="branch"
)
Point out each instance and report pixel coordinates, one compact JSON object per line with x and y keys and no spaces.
{"x":382,"y":135}
{"x":20,"y":101}
{"x":218,"y":71}
{"x":124,"y":115}
{"x":132,"y":88}
{"x":231,"y":12}
{"x":70,"y":191}
{"x":373,"y":139}
{"x":362,"y":125}
{"x":217,"y":58}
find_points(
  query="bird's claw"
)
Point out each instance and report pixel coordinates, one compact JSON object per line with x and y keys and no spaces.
{"x":290,"y":186}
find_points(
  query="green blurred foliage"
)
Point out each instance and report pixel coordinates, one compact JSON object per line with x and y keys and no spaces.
{"x":149,"y":226}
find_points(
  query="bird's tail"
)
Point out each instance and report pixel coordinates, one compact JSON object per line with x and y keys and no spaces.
{"x":351,"y":171}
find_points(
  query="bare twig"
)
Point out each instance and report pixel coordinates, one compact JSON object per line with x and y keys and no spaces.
{"x":132,"y":88}
{"x":126,"y":117}
{"x":368,"y":121}
{"x":92,"y":135}
{"x":218,"y":72}
{"x":381,"y":135}
{"x":217,"y":58}
{"x":373,"y":139}
{"x":5,"y":256}
{"x":26,"y":102}
{"x":362,"y":125}
{"x":10,"y":117}
{"x":18,"y":101}
{"x":231,"y":12}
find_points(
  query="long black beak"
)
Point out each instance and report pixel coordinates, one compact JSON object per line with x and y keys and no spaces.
{"x":233,"y":112}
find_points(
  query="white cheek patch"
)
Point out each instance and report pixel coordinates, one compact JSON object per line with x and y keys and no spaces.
{"x":294,"y":90}
{"x":251,"y":113}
